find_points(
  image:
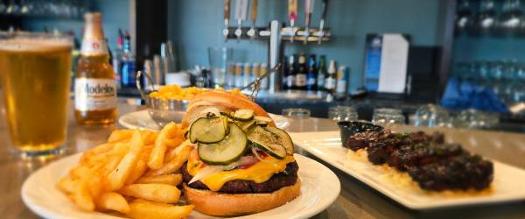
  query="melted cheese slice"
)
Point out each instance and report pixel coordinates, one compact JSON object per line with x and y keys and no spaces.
{"x":259,"y":172}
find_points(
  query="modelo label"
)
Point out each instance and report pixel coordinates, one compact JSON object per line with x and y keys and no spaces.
{"x":93,"y":47}
{"x":95,"y":94}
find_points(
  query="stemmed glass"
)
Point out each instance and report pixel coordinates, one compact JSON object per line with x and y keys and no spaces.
{"x":464,"y":16}
{"x":3,"y":7}
{"x":486,"y":18}
{"x":12,"y":8}
{"x":511,"y":17}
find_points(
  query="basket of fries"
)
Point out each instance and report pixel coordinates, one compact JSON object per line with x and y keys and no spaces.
{"x":167,"y":103}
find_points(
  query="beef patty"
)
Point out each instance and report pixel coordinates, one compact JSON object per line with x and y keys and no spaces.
{"x":286,"y":178}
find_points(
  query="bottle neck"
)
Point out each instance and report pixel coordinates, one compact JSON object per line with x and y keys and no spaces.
{"x":94,"y":42}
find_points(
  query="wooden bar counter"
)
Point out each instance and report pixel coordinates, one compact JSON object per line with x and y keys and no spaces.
{"x":356,"y":200}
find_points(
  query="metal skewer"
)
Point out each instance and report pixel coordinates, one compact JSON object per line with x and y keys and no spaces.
{"x":256,"y":84}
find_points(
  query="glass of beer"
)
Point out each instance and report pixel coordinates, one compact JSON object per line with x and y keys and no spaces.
{"x":35,"y":75}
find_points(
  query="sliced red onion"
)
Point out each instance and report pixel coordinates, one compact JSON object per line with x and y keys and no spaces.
{"x":254,"y":151}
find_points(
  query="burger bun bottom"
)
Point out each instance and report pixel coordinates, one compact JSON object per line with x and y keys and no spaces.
{"x":222,"y":204}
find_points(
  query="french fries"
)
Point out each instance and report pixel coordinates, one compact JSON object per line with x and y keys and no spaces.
{"x":132,"y":174}
{"x":156,"y":158}
{"x":146,"y":209}
{"x":153,"y":192}
{"x":112,"y":201}
{"x":174,"y":164}
{"x":170,"y":179}
{"x":118,"y":176}
{"x":81,"y":196}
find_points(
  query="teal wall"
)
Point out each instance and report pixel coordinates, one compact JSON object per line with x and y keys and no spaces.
{"x":114,"y":14}
{"x":195,"y":25}
{"x":468,"y":48}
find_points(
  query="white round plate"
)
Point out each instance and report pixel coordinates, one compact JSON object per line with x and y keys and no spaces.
{"x":142,"y":120}
{"x":320,"y":187}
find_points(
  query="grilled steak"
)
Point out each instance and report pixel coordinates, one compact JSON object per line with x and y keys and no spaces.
{"x":459,"y":172}
{"x":430,"y":162}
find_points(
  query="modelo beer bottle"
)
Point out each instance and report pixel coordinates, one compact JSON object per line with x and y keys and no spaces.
{"x":95,"y":90}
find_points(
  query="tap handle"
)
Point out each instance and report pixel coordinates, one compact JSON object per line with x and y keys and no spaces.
{"x":324,"y":7}
{"x":292,"y":11}
{"x":308,"y":9}
{"x":227,"y":9}
{"x":241,"y":9}
{"x":253,"y":12}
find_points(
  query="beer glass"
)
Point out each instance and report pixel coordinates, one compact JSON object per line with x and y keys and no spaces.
{"x":35,"y":75}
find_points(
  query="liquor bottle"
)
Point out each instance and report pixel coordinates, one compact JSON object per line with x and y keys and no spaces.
{"x":238,"y":75}
{"x":285,"y":73}
{"x":95,"y":90}
{"x":330,"y":81}
{"x":300,"y":76}
{"x":290,"y":72}
{"x":311,"y":76}
{"x":321,"y":73}
{"x":247,"y":70}
{"x":341,"y":88}
{"x":127,"y":69}
{"x":117,"y":56}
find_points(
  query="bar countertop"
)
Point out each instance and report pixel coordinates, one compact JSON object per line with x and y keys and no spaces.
{"x":356,"y":200}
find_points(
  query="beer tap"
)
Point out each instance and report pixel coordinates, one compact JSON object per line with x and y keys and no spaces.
{"x":292,"y":15}
{"x":225,"y":31}
{"x":324,"y":6}
{"x":308,"y":9}
{"x":241,"y":8}
{"x":253,"y":15}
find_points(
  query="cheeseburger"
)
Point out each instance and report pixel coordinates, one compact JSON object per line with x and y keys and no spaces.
{"x":242,"y":163}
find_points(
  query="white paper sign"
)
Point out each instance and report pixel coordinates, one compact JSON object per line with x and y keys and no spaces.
{"x":394,"y":59}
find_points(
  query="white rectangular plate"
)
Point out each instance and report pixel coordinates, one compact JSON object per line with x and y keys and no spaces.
{"x":507,"y":184}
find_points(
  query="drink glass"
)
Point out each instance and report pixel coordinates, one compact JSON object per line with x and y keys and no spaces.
{"x":431,"y":115}
{"x":297,"y":113}
{"x":35,"y":75}
{"x":219,"y":58}
{"x":342,"y":113}
{"x":299,"y":119}
{"x":387,"y":116}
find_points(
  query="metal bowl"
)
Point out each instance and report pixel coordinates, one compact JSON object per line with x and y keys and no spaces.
{"x":165,"y":111}
{"x":349,"y":128}
{"x":160,"y":110}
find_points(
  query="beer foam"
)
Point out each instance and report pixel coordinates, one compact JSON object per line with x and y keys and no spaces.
{"x":34,"y":45}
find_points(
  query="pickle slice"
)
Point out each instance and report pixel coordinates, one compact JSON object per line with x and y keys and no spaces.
{"x":284,"y":138}
{"x":230,"y":149}
{"x":208,"y":130}
{"x":262,"y":120}
{"x":267,"y":141}
{"x":243,"y":114}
